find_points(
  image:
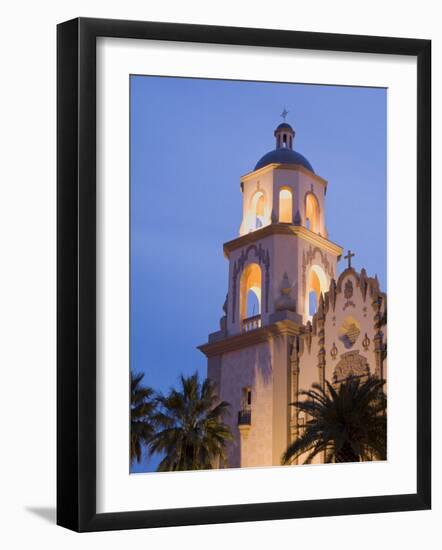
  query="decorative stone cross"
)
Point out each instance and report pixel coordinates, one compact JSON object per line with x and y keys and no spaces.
{"x":284,"y":113}
{"x":349,"y":257}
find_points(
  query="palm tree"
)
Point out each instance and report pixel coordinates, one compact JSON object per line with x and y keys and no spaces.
{"x":142,"y":407}
{"x":348,"y":424}
{"x":190,"y":432}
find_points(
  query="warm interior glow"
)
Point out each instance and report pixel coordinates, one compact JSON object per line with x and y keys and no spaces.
{"x":257,"y":210}
{"x":312,"y":303}
{"x":260,"y":209}
{"x":253,"y":301}
{"x":314,"y":283}
{"x":317,"y":283}
{"x":312,"y":212}
{"x":285,"y":206}
{"x":250,"y":291}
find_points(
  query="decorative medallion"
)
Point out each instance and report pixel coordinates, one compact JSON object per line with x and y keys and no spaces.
{"x":351,"y":364}
{"x":349,"y":332}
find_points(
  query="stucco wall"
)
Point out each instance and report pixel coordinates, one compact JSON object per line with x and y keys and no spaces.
{"x":249,"y":367}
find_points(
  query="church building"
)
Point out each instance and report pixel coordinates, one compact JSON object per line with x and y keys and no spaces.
{"x":289,"y":319}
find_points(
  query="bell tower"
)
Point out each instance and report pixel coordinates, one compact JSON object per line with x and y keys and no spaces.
{"x":280,"y":266}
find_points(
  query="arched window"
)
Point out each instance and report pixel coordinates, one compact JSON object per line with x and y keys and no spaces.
{"x":250,"y":292}
{"x":314,"y":292}
{"x":285,"y":205}
{"x":317,"y":283}
{"x":257,"y":207}
{"x":312,"y":212}
{"x":260,"y":212}
{"x":312,"y":303}
{"x":253,"y":306}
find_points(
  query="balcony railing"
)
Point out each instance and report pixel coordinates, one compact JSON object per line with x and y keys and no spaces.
{"x":245,"y":417}
{"x":251,"y":323}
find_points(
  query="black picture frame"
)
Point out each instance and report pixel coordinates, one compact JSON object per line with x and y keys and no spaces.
{"x":76,"y":273}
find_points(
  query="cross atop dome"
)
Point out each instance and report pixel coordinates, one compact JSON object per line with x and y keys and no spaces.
{"x":284,"y":114}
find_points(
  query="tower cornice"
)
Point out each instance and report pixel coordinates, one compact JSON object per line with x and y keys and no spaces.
{"x":283,"y":229}
{"x":283,"y":166}
{"x":251,"y":338}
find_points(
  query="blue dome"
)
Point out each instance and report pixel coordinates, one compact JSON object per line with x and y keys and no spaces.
{"x":284,"y":126}
{"x":283,"y":156}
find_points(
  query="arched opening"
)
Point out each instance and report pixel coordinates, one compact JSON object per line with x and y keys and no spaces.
{"x":313,"y":293}
{"x":250,"y":297}
{"x":312,"y":303}
{"x":253,"y":301}
{"x":257,"y":207}
{"x":312,"y":212}
{"x":285,"y":205}
{"x":316,"y":284}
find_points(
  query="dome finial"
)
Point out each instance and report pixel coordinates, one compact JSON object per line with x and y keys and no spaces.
{"x":283,"y":152}
{"x":284,"y":133}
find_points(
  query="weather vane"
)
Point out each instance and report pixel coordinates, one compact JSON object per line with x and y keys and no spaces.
{"x":284,"y":113}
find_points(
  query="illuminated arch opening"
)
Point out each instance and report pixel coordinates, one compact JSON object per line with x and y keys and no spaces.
{"x":250,"y":288}
{"x":312,"y":213}
{"x":312,"y":303}
{"x":316,"y":284}
{"x":313,"y":293}
{"x":253,"y":302}
{"x":285,"y":205}
{"x":257,"y":208}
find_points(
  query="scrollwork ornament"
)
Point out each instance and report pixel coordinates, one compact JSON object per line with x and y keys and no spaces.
{"x":366,"y":342}
{"x":334,"y":351}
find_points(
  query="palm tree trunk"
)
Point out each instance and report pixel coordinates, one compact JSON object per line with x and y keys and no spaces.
{"x":346,"y":454}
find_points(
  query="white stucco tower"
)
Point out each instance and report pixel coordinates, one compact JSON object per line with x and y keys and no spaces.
{"x":280,"y":267}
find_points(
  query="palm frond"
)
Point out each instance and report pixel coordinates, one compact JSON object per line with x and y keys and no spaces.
{"x":347,"y":423}
{"x":142,"y":410}
{"x":190,"y":432}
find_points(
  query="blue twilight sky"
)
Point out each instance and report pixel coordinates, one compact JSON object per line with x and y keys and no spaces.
{"x":191,"y":140}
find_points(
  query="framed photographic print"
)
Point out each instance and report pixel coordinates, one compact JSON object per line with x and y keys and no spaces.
{"x":236,"y":210}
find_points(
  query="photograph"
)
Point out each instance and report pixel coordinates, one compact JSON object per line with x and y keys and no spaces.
{"x":258,"y":274}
